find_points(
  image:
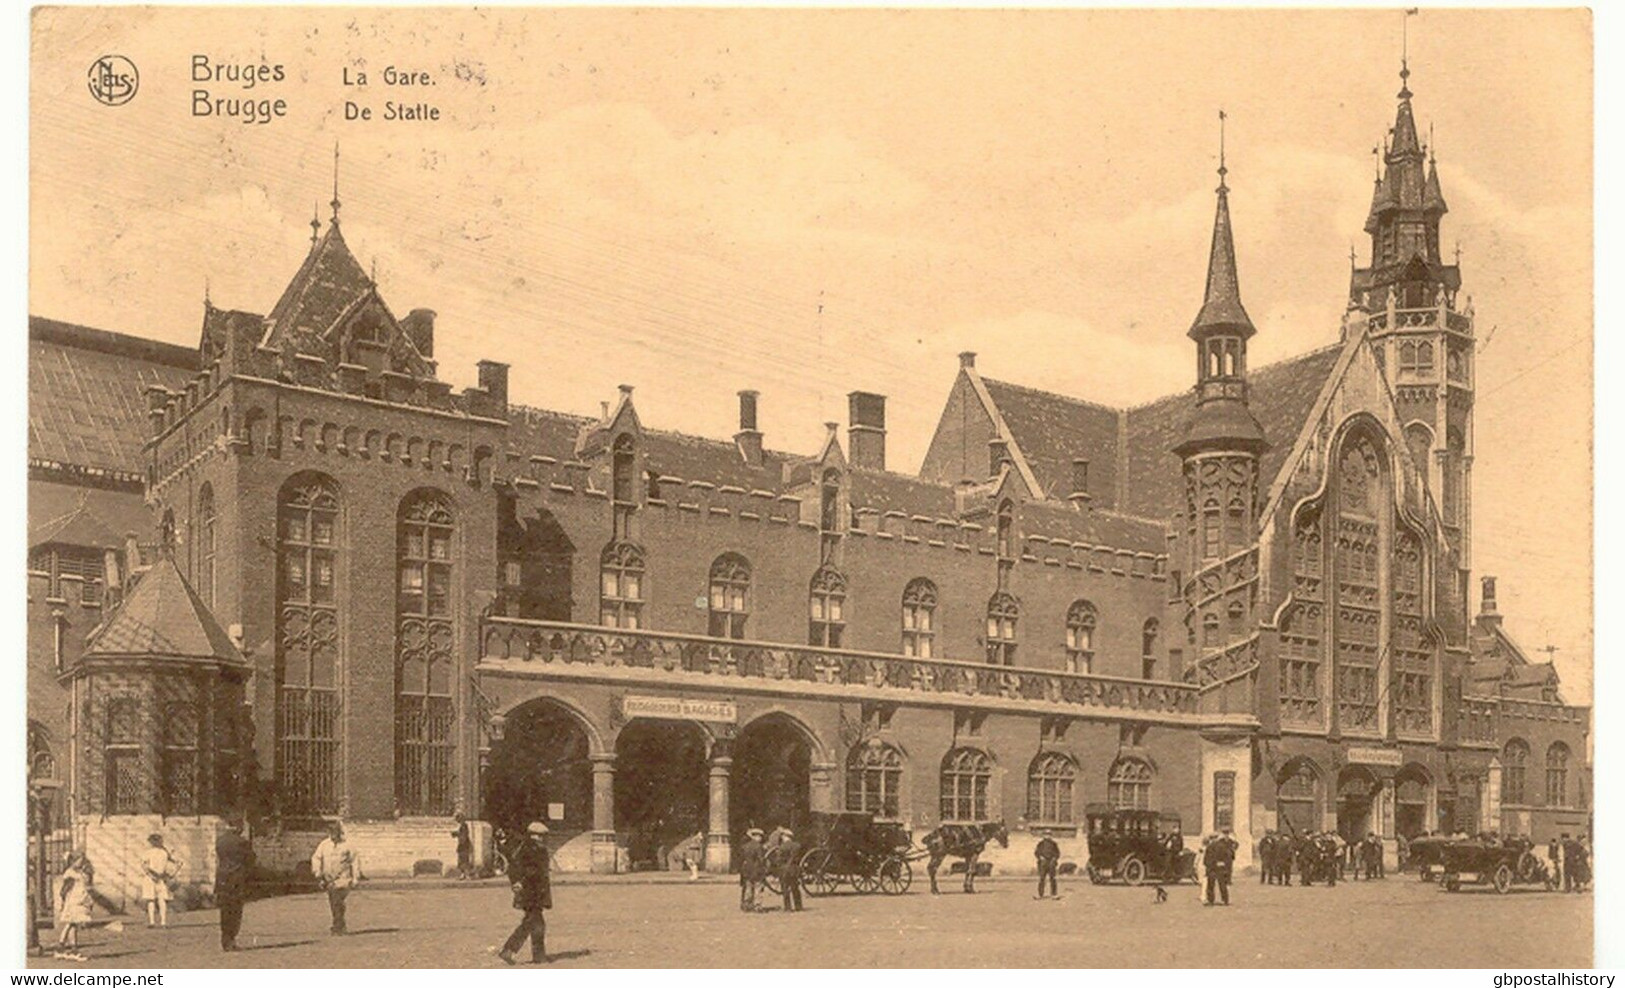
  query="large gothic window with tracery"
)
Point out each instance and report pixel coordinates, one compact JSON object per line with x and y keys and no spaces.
{"x":1412,"y":647}
{"x":920,"y":618}
{"x":308,"y":647}
{"x":424,"y":740}
{"x":1359,"y":616}
{"x":1128,"y":787}
{"x":826,"y":608}
{"x":966,"y":776}
{"x":1003,"y":611}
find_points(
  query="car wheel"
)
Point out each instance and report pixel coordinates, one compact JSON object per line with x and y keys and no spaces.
{"x":1133,"y":871}
{"x":1095,"y":877}
{"x":1503,"y":879}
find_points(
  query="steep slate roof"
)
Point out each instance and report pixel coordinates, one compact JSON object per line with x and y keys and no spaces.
{"x":1053,"y":429}
{"x":1280,"y":395}
{"x":162,"y":617}
{"x":85,"y":403}
{"x":84,"y":516}
{"x":328,"y":282}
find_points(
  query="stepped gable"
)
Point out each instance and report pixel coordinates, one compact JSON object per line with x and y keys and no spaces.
{"x":1051,"y":430}
{"x":1280,"y":395}
{"x":86,"y":407}
{"x":162,"y":617}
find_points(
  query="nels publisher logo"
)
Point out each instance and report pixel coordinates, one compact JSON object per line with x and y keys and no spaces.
{"x":113,"y":80}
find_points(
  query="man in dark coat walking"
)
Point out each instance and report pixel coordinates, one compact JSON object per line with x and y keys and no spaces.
{"x":790,"y":872}
{"x":1048,"y":854}
{"x":532,"y":895}
{"x":1219,"y":859}
{"x":234,"y":858}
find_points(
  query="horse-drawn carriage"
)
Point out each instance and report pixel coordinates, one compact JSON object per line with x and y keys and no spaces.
{"x":854,"y":849}
{"x":1136,"y":846}
{"x":1498,"y":863}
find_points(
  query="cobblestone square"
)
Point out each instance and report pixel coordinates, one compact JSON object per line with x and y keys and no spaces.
{"x":1392,"y":923}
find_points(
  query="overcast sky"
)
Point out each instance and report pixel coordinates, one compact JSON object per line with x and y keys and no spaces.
{"x":809,"y":203}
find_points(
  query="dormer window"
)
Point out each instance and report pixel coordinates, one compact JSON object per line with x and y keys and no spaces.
{"x":621,"y":471}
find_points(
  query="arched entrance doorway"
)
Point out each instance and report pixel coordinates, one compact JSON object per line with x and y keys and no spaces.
{"x":661,"y":795}
{"x":540,"y":770}
{"x":1411,"y":801}
{"x":1356,"y":795}
{"x":1469,"y":800}
{"x":1298,"y":798}
{"x":772,"y":774}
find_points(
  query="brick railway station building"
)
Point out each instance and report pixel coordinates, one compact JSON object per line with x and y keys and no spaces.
{"x":291,"y":572}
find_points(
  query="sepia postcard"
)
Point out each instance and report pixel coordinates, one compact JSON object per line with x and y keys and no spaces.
{"x":723,"y":488}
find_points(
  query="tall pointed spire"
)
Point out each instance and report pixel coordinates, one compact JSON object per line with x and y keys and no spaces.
{"x":1221,"y":300}
{"x":315,"y":223}
{"x":335,"y":202}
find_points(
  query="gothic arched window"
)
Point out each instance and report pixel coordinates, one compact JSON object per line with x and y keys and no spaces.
{"x":1050,"y":782}
{"x":966,"y":775}
{"x":1003,"y":611}
{"x":620,"y":586}
{"x":1557,"y":774}
{"x":425,"y":743}
{"x":308,"y":645}
{"x":121,"y":757}
{"x":1298,"y":799}
{"x":1514,"y":769}
{"x":826,"y":608}
{"x":179,"y":772}
{"x":920,"y":618}
{"x":1128,"y":787}
{"x":729,"y":596}
{"x":874,"y":780}
{"x":205,"y":544}
{"x":1212,"y":537}
{"x":1081,"y":622}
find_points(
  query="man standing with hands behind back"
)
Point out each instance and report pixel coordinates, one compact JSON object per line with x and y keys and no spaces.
{"x":1048,"y":854}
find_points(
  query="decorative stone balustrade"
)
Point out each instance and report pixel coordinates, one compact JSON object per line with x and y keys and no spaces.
{"x":521,"y":644}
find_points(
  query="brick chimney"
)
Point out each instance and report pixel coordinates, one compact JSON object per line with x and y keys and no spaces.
{"x":866,"y":430}
{"x":1080,"y":495}
{"x":967,"y":360}
{"x":494,"y":380}
{"x":749,"y":438}
{"x":1488,"y":616}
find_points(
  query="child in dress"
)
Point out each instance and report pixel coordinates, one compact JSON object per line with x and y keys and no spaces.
{"x":73,"y":902}
{"x":158,"y":869}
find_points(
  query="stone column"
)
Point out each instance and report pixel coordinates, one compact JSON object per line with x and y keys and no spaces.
{"x":717,"y":856}
{"x":603,"y":814}
{"x":821,"y":795}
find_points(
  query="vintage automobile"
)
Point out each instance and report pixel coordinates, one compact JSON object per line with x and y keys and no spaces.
{"x":1426,"y":855}
{"x":853,"y":849}
{"x":1136,"y":846}
{"x":1498,"y":863}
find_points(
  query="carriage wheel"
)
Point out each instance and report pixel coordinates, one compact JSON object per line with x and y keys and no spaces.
{"x":895,"y":876}
{"x":866,"y":882}
{"x":1133,"y":871}
{"x":1095,"y":877}
{"x":1503,"y":879}
{"x":815,"y":875}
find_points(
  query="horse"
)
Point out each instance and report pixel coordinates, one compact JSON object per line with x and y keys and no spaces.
{"x":962,"y":840}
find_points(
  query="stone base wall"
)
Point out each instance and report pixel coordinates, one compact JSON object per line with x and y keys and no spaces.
{"x":115,"y":844}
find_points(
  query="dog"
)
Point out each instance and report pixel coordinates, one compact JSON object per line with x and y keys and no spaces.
{"x":1162,"y":895}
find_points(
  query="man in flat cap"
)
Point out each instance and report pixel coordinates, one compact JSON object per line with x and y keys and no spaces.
{"x":532,"y":894}
{"x":752,"y":869}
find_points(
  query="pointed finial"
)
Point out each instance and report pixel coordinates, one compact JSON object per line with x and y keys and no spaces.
{"x":1433,"y":157}
{"x":1351,"y":255}
{"x":315,"y":221}
{"x":1405,"y":53}
{"x":374,"y":273}
{"x":1458,"y":253}
{"x":1222,"y":169}
{"x":335,"y":202}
